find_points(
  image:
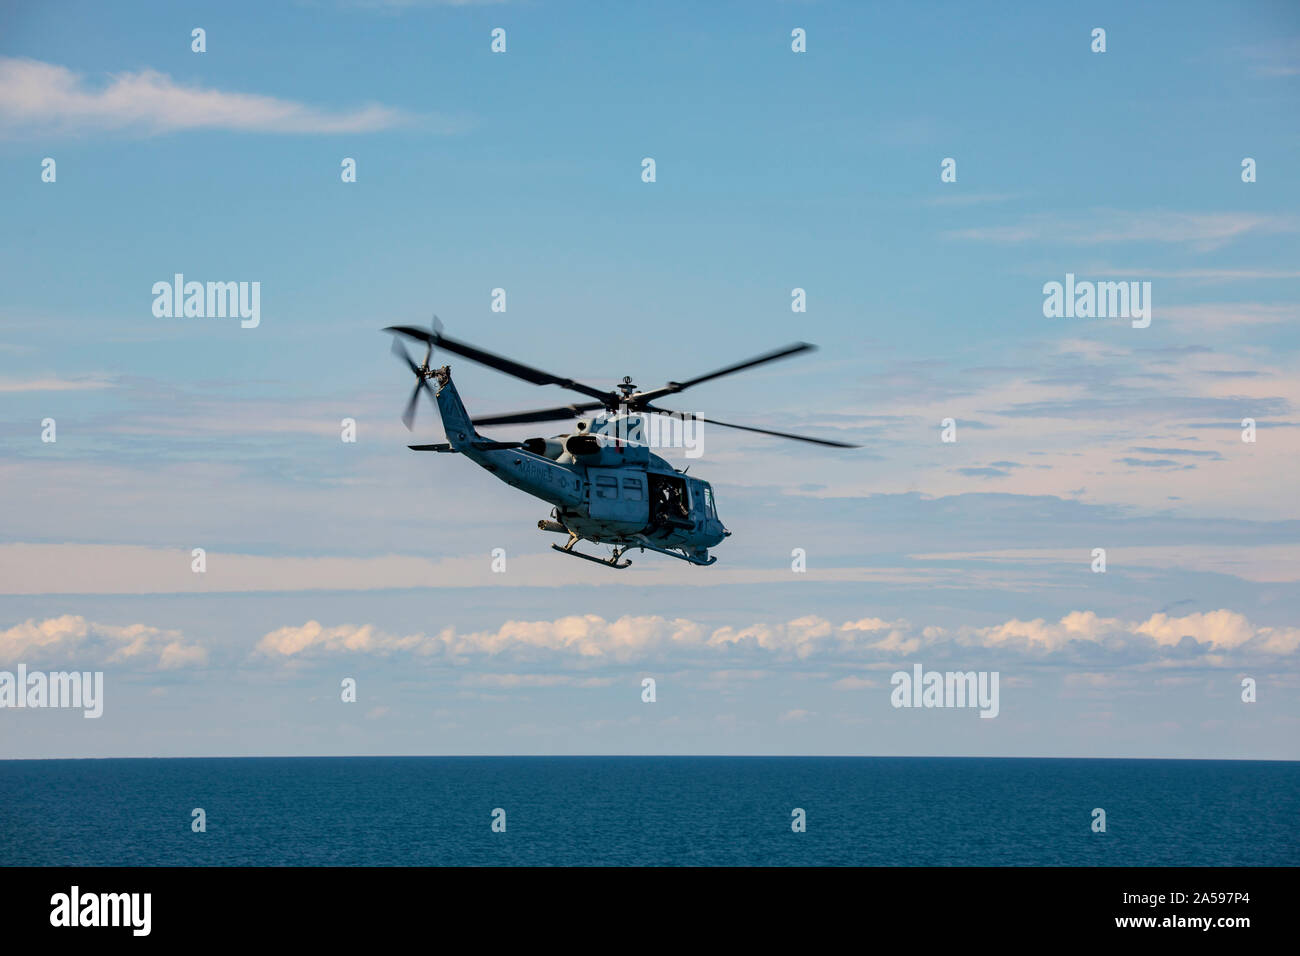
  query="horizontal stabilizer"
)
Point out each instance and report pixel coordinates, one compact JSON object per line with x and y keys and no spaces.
{"x":480,"y":445}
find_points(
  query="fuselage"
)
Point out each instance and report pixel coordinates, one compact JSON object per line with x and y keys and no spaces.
{"x":603,"y":488}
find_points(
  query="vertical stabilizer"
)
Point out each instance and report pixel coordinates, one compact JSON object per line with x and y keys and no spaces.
{"x":455,"y":420}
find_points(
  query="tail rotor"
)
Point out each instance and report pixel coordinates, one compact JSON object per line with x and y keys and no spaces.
{"x":422,"y":373}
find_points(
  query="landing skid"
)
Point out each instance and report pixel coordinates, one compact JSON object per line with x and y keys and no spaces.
{"x":610,"y":562}
{"x":644,"y":544}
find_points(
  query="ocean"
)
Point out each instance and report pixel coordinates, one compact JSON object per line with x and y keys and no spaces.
{"x":655,"y":811}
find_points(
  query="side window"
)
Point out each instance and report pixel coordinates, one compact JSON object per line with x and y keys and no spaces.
{"x":708,"y":502}
{"x":632,"y":489}
{"x":606,"y":486}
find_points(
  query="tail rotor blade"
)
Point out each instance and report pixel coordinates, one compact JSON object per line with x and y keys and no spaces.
{"x":408,"y":416}
{"x":436,"y":329}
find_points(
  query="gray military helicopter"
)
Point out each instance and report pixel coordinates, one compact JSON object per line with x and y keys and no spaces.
{"x":603,"y":481}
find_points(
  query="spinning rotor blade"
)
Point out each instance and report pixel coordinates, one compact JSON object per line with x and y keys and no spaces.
{"x":405,"y":356}
{"x":639,"y":401}
{"x":436,"y":327}
{"x":408,"y":416}
{"x":761,"y":431}
{"x":540,"y":414}
{"x":673,"y":387}
{"x":499,"y":362}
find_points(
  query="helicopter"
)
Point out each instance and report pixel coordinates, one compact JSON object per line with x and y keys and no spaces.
{"x":604,"y":483}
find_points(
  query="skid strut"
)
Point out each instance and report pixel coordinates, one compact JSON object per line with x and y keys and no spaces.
{"x":645,"y":544}
{"x":612,"y":561}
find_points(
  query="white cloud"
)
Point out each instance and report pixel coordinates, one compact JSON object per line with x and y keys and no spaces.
{"x":580,"y":636}
{"x":1221,"y":315}
{"x":1265,"y":563}
{"x":856,"y":683}
{"x":590,"y":638}
{"x":74,"y":641}
{"x":1223,"y":630}
{"x":43,"y":96}
{"x":1203,"y":230}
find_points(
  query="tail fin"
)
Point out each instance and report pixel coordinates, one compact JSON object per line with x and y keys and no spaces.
{"x":455,"y":420}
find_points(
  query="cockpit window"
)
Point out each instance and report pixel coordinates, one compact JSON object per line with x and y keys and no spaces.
{"x":708,"y":502}
{"x":606,"y":486}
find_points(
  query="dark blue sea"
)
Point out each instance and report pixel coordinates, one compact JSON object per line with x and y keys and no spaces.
{"x":658,"y":811}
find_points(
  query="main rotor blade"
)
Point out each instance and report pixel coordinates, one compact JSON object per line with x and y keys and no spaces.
{"x":500,"y":362}
{"x":539,"y":414}
{"x":673,"y":387}
{"x":405,"y":356}
{"x":761,"y":431}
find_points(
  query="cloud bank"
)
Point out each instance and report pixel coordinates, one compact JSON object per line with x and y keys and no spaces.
{"x":1214,"y":639}
{"x":45,"y":96}
{"x":73,"y":641}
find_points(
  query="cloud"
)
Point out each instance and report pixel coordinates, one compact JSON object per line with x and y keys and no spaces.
{"x":1219,"y":631}
{"x":1203,"y":230}
{"x":1205,"y":638}
{"x":72,"y":640}
{"x":1207,"y":275}
{"x":536,"y":680}
{"x":33,"y":568}
{"x":54,"y":384}
{"x":1222,"y":315}
{"x":1223,"y":629}
{"x":579,"y":636}
{"x":968,"y":199}
{"x":1278,"y":57}
{"x":856,"y":683}
{"x":1150,"y":463}
{"x":398,"y":5}
{"x":1092,"y":680}
{"x":1263,"y":563}
{"x":44,"y":96}
{"x":1230,"y":408}
{"x":1192,"y":452}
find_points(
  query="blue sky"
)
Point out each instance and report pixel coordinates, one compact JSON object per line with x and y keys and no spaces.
{"x":775,"y":170}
